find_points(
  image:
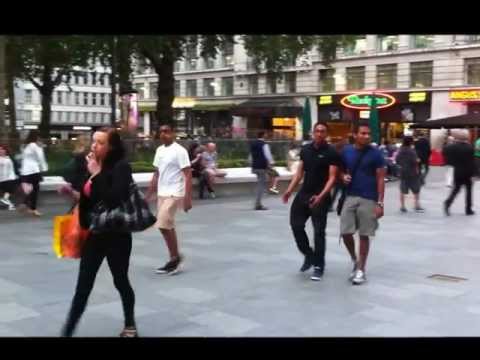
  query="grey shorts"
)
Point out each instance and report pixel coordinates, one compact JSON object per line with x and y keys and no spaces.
{"x":410,"y":183}
{"x":358,"y":214}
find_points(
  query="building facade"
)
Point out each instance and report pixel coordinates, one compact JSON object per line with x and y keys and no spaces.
{"x":416,"y":77}
{"x":77,"y":107}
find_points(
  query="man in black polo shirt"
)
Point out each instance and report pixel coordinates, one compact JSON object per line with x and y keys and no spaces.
{"x":318,"y":167}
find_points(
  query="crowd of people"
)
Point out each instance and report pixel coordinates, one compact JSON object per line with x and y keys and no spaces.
{"x":354,"y":172}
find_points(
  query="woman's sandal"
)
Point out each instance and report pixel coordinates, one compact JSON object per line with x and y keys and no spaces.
{"x":129,"y":333}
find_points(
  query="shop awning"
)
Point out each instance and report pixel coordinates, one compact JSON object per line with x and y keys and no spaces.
{"x":276,"y":107}
{"x":178,"y":103}
{"x":214,"y":105}
{"x":452,"y":122}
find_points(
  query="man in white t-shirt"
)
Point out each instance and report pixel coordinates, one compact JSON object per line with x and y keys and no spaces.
{"x":172,"y":181}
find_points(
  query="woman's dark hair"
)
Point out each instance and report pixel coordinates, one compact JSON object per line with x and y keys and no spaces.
{"x":32,"y":136}
{"x":117,"y":149}
{"x":191,"y":149}
{"x":407,"y":141}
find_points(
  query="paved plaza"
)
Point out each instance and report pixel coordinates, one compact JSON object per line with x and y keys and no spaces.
{"x":241,"y":276}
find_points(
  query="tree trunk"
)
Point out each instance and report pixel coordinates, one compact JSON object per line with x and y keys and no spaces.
{"x":46,"y":94}
{"x":165,"y":91}
{"x":12,"y":109}
{"x":113,"y":80}
{"x":3,"y":130}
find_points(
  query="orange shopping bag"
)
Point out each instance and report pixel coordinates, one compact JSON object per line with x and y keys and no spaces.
{"x":68,"y":236}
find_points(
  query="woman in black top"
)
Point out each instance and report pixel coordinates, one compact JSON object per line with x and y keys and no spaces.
{"x":110,"y":177}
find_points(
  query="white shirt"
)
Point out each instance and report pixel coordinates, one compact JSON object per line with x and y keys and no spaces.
{"x":7,"y":171}
{"x":33,"y":160}
{"x":170,"y":160}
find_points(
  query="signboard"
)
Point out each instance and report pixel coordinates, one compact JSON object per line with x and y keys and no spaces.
{"x":465,"y":95}
{"x":363,"y":101}
{"x":420,"y":96}
{"x":325,"y":100}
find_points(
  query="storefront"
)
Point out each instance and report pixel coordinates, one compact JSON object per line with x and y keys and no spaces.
{"x":212,"y":118}
{"x":469,"y":97}
{"x":280,"y":117}
{"x":397,"y":110}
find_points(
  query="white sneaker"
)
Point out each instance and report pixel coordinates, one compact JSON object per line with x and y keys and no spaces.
{"x":274,"y":191}
{"x":359,"y":278}
{"x":354,"y":270}
{"x":5,"y":201}
{"x":12,"y":207}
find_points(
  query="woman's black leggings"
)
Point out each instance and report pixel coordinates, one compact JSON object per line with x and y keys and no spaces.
{"x":31,"y":199}
{"x":116,"y":248}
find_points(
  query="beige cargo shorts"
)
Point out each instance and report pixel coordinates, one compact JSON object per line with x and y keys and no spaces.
{"x":358,"y":214}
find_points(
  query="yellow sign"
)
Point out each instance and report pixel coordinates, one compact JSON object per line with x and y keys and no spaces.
{"x":183,"y":102}
{"x":284,"y":121}
{"x":465,"y":95}
{"x":325,"y":100}
{"x":417,"y":96}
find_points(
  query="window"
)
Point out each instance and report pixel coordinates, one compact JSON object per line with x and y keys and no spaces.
{"x":291,"y":82}
{"x":102,"y":99}
{"x":191,"y":87}
{"x":356,"y":78}
{"x":421,"y":74}
{"x":422,"y":41}
{"x":176,"y":91}
{"x":94,"y":99}
{"x":27,"y":115}
{"x":209,"y":87}
{"x":59,"y":97}
{"x":28,"y":96}
{"x":327,"y":80}
{"x":87,"y":117}
{"x":76,"y":79}
{"x":177,"y":66}
{"x":106,"y":118}
{"x":471,"y":39}
{"x":81,"y":117}
{"x":72,"y":98}
{"x":191,"y":57}
{"x":94,"y":78}
{"x":140,"y":90}
{"x":227,"y":56}
{"x":253,"y":84}
{"x":359,"y":46}
{"x":85,"y":98}
{"x":67,"y":118}
{"x":209,"y":62}
{"x":153,"y":90}
{"x":227,"y":86}
{"x":472,"y":70}
{"x":271,"y":84}
{"x":74,"y":117}
{"x":77,"y":98}
{"x":387,"y":43}
{"x":387,"y":76}
{"x":85,"y":78}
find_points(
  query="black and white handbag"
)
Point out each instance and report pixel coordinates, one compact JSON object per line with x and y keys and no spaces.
{"x":133,"y":215}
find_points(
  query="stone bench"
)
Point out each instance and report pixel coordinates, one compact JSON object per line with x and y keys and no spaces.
{"x":238,"y":181}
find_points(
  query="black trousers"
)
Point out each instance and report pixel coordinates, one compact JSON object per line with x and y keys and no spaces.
{"x":458,"y":183}
{"x":31,"y":199}
{"x":424,"y":169}
{"x":116,"y":248}
{"x":299,"y":214}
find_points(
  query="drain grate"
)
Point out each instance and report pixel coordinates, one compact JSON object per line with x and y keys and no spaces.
{"x":446,"y":278}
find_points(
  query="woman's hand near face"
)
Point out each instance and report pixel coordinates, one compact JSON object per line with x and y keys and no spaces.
{"x":92,"y":165}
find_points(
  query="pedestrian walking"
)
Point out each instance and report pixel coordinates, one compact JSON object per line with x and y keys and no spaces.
{"x":261,"y":160}
{"x":76,"y":169}
{"x":410,"y":177}
{"x":318,"y":167}
{"x":34,"y":165}
{"x":110,"y":176}
{"x":363,"y":206}
{"x":8,"y":177}
{"x":424,"y":150}
{"x":172,"y":184}
{"x":460,"y":155}
{"x":477,"y":158}
{"x":449,"y":169}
